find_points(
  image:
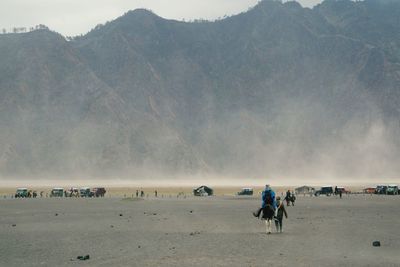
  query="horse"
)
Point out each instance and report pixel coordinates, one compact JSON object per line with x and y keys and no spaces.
{"x":268,"y":214}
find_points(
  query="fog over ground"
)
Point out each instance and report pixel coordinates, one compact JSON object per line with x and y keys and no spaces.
{"x":279,"y":94}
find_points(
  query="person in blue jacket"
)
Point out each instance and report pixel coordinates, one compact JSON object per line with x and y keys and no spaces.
{"x":267,"y":199}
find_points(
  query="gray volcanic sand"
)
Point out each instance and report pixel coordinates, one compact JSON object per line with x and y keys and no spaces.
{"x":220,"y":231}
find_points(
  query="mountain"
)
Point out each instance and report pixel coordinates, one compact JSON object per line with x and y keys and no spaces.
{"x":279,"y":90}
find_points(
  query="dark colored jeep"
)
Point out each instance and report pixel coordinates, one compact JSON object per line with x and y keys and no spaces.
{"x":21,"y":193}
{"x":381,"y":190}
{"x":246,"y":192}
{"x":57,"y":192}
{"x":99,"y":192}
{"x":325,"y":190}
{"x":85,"y":192}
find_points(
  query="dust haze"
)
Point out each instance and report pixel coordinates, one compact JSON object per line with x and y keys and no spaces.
{"x":147,"y":101}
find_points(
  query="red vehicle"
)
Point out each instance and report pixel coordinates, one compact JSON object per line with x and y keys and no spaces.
{"x":369,"y":190}
{"x":343,"y":190}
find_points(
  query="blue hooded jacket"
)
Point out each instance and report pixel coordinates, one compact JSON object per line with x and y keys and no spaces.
{"x":263,"y":205}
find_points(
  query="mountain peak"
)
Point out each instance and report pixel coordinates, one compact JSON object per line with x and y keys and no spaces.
{"x":141,"y":13}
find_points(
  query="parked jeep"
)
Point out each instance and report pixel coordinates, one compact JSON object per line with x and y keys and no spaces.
{"x":21,"y":193}
{"x":57,"y":192}
{"x":99,"y":192}
{"x":325,"y":190}
{"x":85,"y":192}
{"x":381,"y":190}
{"x":246,"y":192}
{"x":392,"y":190}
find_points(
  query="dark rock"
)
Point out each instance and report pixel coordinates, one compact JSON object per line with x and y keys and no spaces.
{"x":83,"y":258}
{"x":56,"y":214}
{"x":14,"y":225}
{"x":139,"y":246}
{"x":376,"y":243}
{"x":120,"y":215}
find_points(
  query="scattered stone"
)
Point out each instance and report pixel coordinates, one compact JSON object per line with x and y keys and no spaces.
{"x":139,"y":246}
{"x":112,"y":226}
{"x":376,"y":243}
{"x":191,"y":211}
{"x":120,"y":215}
{"x":83,"y":258}
{"x":154,"y":213}
{"x":195,"y":233}
{"x":14,"y":225}
{"x":56,"y":214}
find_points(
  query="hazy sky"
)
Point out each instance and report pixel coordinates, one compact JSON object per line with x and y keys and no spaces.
{"x":73,"y":17}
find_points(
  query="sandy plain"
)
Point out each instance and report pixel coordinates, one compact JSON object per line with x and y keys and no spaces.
{"x":211,"y":231}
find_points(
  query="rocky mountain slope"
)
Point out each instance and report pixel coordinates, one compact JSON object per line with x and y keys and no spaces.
{"x":278,"y":90}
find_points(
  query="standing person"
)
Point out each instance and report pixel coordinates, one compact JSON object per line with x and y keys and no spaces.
{"x":137,"y":193}
{"x":155,"y":193}
{"x":340,"y":192}
{"x":336,"y":190}
{"x":292,"y":198}
{"x":280,"y":211}
{"x":288,"y":198}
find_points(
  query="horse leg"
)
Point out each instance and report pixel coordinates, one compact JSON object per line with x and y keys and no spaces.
{"x":268,"y":226}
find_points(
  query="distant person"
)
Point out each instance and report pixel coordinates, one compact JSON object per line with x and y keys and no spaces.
{"x":292,"y":198}
{"x":279,"y":217}
{"x":137,"y":193}
{"x":268,"y":208}
{"x":336,"y":191}
{"x":340,"y":193}
{"x":141,"y":193}
{"x":155,"y":193}
{"x":288,"y":198}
